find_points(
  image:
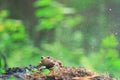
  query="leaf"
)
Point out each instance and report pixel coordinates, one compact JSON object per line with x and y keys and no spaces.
{"x":39,"y":3}
{"x":34,"y":70}
{"x":4,"y":13}
{"x":112,"y":53}
{"x":46,"y":12}
{"x":110,"y":41}
{"x":2,"y":71}
{"x":45,"y":71}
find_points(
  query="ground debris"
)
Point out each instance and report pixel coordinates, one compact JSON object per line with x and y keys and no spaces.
{"x":51,"y":69}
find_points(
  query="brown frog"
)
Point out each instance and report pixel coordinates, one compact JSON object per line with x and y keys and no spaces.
{"x":49,"y":62}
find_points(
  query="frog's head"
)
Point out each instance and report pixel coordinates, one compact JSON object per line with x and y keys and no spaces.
{"x":47,"y":61}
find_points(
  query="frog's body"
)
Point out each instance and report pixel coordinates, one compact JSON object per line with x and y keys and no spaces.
{"x":49,"y":62}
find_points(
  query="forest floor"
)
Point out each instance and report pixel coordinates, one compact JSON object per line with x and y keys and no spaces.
{"x":51,"y":69}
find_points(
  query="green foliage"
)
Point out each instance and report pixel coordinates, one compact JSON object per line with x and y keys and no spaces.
{"x":107,"y":59}
{"x":12,"y":78}
{"x":12,"y":35}
{"x":11,"y":31}
{"x":25,"y":55}
{"x":81,"y":4}
{"x":110,"y":41}
{"x":45,"y":71}
{"x":76,"y":39}
{"x":4,"y":14}
{"x":112,"y":57}
{"x":34,"y":70}
{"x":67,"y":56}
{"x":2,"y":65}
{"x":2,"y":71}
{"x":48,"y":13}
{"x":51,"y":14}
{"x":39,"y":3}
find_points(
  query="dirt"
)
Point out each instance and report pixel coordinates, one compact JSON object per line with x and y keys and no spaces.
{"x":51,"y":69}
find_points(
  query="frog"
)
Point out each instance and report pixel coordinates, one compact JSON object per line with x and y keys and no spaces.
{"x":49,"y":62}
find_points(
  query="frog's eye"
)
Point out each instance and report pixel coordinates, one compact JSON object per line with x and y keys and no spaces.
{"x":48,"y":57}
{"x":42,"y":57}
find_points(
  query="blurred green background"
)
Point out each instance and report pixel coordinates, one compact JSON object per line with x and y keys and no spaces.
{"x":83,"y":33}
